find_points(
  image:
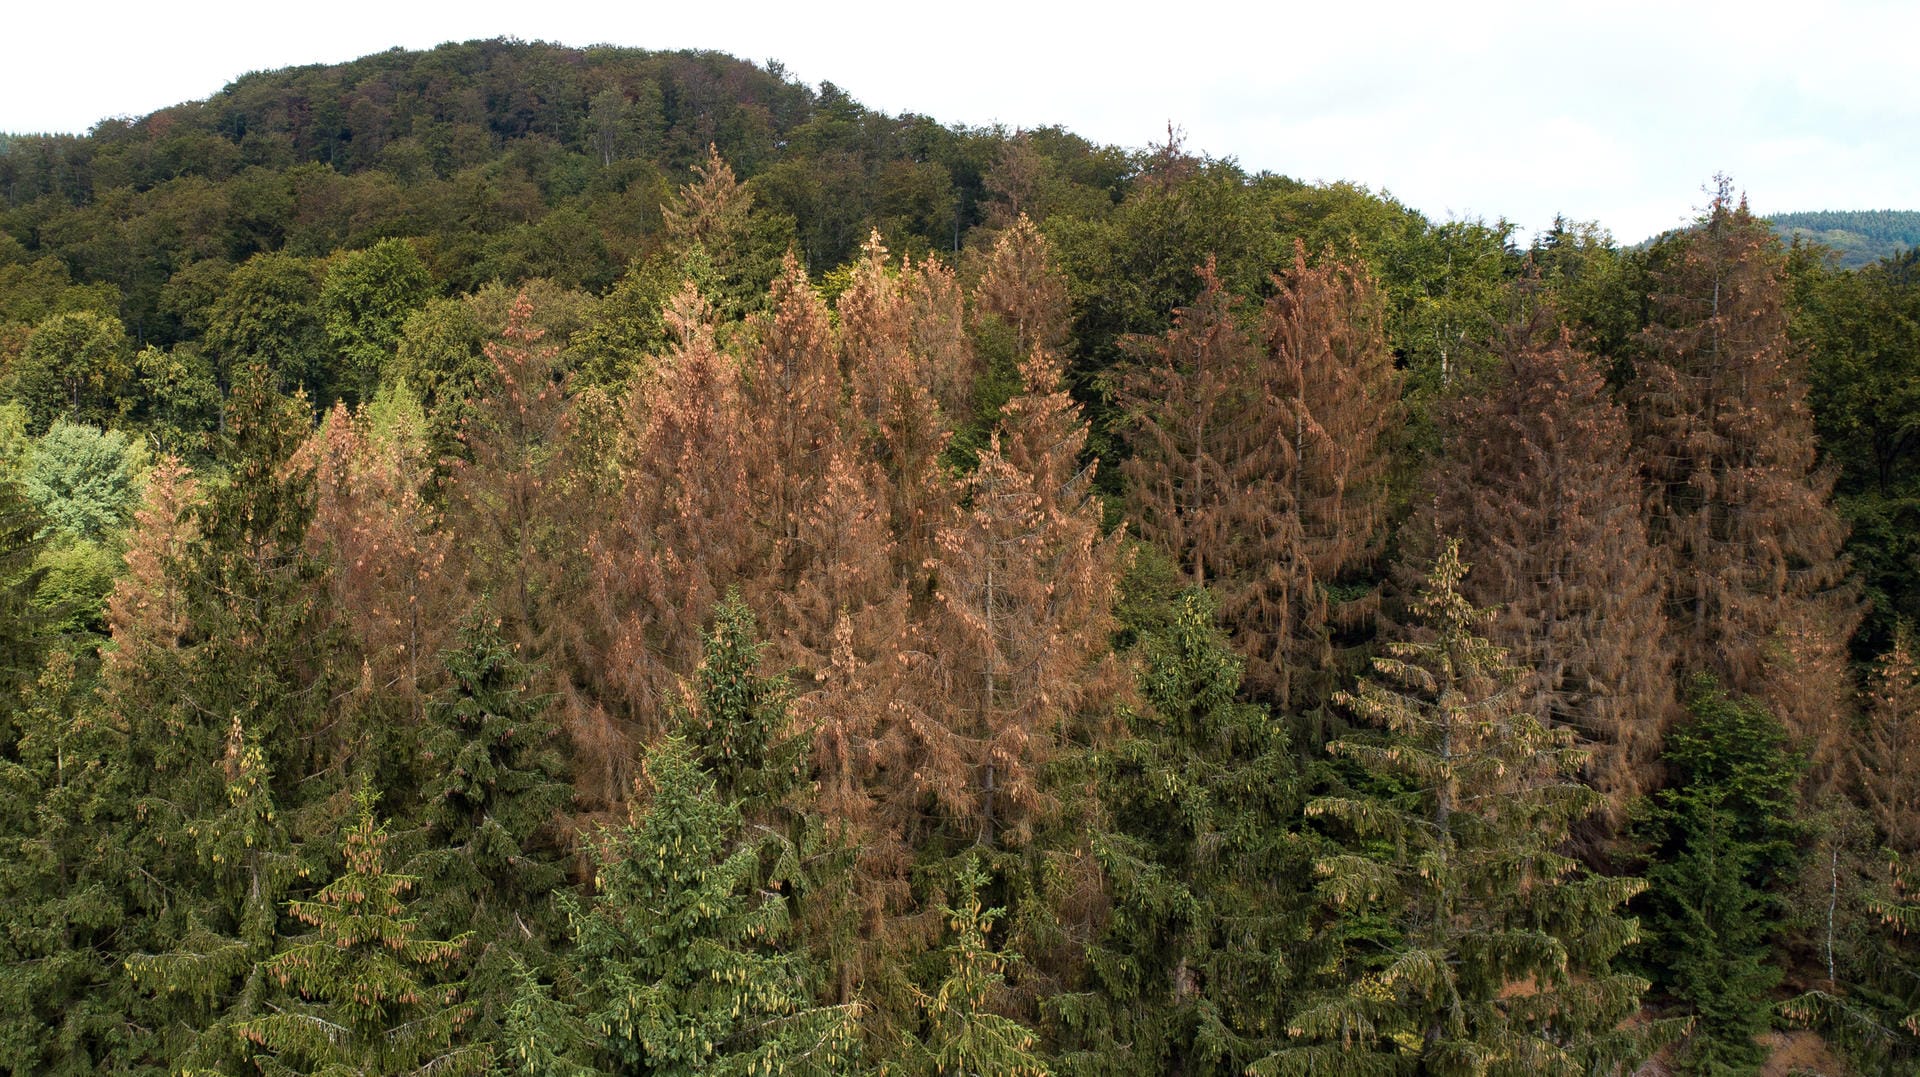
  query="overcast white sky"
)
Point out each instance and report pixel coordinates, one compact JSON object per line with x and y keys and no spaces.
{"x":1612,"y":111}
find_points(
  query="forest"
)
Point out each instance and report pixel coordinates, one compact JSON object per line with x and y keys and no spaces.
{"x":529,"y":560}
{"x":1858,"y":238}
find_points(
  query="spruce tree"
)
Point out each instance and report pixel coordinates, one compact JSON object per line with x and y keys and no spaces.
{"x":364,"y":994}
{"x":1327,"y":363}
{"x":226,"y":706}
{"x":391,"y":586}
{"x":1855,"y":900}
{"x":680,"y":955}
{"x":1723,"y":841}
{"x":1259,"y":466}
{"x":492,"y":791}
{"x":682,"y":532}
{"x":499,"y":499}
{"x":962,"y":1034}
{"x":65,"y":1001}
{"x":792,"y":395}
{"x":1737,"y":504}
{"x":1884,"y":769}
{"x":900,"y":416}
{"x":1465,"y":941}
{"x":1206,"y":875}
{"x":1021,"y":285}
{"x":1534,"y":474}
{"x":520,"y":509}
{"x":843,"y":630}
{"x":739,"y":731}
{"x":1205,"y":461}
{"x":1018,"y":636}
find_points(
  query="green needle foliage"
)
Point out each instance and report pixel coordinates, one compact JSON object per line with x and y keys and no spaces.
{"x":1472,"y":944}
{"x":492,"y":790}
{"x":963,"y":1035}
{"x":1209,"y":894}
{"x":64,"y":1003}
{"x":1724,"y":837}
{"x":741,"y":734}
{"x":680,"y":953}
{"x":363,"y":998}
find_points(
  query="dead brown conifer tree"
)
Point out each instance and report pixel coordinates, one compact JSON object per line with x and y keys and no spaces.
{"x":1736,"y":504}
{"x":1536,"y":481}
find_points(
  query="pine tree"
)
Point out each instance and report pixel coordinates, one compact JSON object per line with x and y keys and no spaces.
{"x":492,"y":790}
{"x":680,"y":954}
{"x":1468,"y":942}
{"x":1535,"y":480}
{"x":363,"y":992}
{"x":1737,"y":506}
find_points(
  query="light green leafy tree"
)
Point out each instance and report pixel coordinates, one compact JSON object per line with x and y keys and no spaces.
{"x":365,"y":301}
{"x":86,"y":481}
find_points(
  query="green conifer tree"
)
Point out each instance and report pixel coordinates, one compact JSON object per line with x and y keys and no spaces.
{"x":492,"y":789}
{"x":679,"y":953}
{"x":227,"y":718}
{"x":1724,"y":839}
{"x":1465,"y":941}
{"x":65,"y":1007}
{"x":1208,"y":886}
{"x":740,"y":732}
{"x":362,"y":994}
{"x":963,"y":1035}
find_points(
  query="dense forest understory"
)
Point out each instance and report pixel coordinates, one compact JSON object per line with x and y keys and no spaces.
{"x":517,"y":559}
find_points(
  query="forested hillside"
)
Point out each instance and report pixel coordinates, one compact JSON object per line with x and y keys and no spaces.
{"x":1857,"y":238}
{"x":518,"y":559}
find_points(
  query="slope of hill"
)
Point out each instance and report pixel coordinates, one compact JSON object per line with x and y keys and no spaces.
{"x":1859,"y":237}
